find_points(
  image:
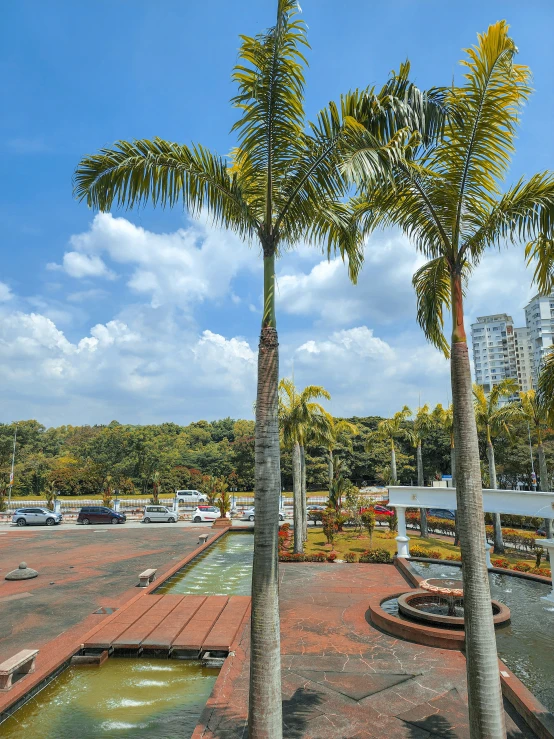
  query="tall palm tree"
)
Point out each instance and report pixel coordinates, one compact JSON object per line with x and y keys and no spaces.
{"x":536,"y":414}
{"x":279,"y":186}
{"x":300,"y":416}
{"x":389,"y":430}
{"x":444,"y":418}
{"x":338,"y":429}
{"x":423,"y":423}
{"x":492,"y":418}
{"x":448,"y":200}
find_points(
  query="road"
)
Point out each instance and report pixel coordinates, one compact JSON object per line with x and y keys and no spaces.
{"x":130,"y":524}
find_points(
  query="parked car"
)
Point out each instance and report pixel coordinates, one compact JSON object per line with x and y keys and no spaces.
{"x":379,"y":510}
{"x":248,"y":515}
{"x":441,"y":513}
{"x":36,"y":517}
{"x":206,"y":513}
{"x":158,"y":513}
{"x":99,"y":514}
{"x":541,"y":531}
{"x":190,"y":496}
{"x":314,"y":507}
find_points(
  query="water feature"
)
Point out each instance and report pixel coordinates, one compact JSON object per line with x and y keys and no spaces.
{"x":526,"y":645}
{"x":151,"y":698}
{"x":225,"y":568}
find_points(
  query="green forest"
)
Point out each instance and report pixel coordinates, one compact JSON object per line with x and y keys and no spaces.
{"x":77,"y":460}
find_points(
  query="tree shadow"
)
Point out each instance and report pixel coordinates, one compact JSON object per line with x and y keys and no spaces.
{"x":298,"y":710}
{"x":436,"y":726}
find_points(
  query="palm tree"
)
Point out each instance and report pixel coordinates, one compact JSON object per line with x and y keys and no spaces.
{"x":545,"y":395}
{"x":156,"y":483}
{"x":389,"y":430}
{"x":448,"y":200}
{"x":299,"y":416}
{"x":338,"y":428}
{"x":280,"y":185}
{"x":493,"y":418}
{"x":423,"y":423}
{"x":444,"y":418}
{"x":536,"y":415}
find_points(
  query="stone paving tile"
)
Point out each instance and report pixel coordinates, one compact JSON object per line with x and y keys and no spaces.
{"x":341,"y":677}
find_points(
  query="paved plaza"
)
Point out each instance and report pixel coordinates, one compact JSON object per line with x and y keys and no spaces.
{"x":80,"y":571}
{"x":344,"y":679}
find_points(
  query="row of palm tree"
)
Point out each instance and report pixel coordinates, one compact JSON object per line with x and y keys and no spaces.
{"x":429,"y":163}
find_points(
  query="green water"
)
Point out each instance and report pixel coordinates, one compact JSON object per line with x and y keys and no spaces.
{"x":131,"y":698}
{"x":225,"y":568}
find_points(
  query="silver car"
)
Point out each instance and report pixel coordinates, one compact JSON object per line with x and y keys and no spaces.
{"x":249,"y":515}
{"x":36,"y":516}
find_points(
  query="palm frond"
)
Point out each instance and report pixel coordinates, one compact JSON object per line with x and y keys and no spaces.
{"x":540,"y":253}
{"x":164,"y":173}
{"x":432,"y":286}
{"x":270,"y":79}
{"x":479,"y":137}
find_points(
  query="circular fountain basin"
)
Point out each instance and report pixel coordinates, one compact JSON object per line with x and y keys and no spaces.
{"x":428,"y":607}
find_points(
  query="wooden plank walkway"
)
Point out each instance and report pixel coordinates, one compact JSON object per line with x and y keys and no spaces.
{"x":174,"y":623}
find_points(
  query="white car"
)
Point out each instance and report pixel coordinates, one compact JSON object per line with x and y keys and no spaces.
{"x":248,"y":515}
{"x":206,"y":513}
{"x":190,"y":496}
{"x":159,"y":513}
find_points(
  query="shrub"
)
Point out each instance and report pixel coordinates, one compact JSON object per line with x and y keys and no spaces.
{"x":501,"y":562}
{"x":350,"y":557}
{"x":416,"y":551}
{"x":523,"y":567}
{"x":434,"y":554}
{"x":454,"y":557}
{"x":284,"y":526}
{"x":318,"y":557}
{"x":380,"y":556}
{"x":329,"y":526}
{"x":331,"y":557}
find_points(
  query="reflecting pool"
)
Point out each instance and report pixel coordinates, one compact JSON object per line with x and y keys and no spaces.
{"x":224,"y":568}
{"x":526,"y":644}
{"x":152,"y":698}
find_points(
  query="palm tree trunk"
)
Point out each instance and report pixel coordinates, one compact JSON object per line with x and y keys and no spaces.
{"x":304,"y":494}
{"x":486,"y":711}
{"x":453,"y":473}
{"x":497,"y":523}
{"x":392,"y":463}
{"x":265,"y":713}
{"x":297,"y":497}
{"x":330,"y":467}
{"x":544,"y":486}
{"x":423,"y":530}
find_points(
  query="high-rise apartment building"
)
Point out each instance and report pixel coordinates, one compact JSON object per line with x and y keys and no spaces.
{"x":494,"y":350}
{"x":539,"y":317}
{"x":524,"y":362}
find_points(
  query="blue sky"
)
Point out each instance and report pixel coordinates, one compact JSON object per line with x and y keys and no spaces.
{"x":145,"y":316}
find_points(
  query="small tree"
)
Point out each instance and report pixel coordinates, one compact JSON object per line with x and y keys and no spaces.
{"x":368,"y":520}
{"x":223,"y":498}
{"x":329,"y":525}
{"x":393,"y":522}
{"x":107,"y":492}
{"x":51,"y":496}
{"x":156,"y":484}
{"x":353,"y":501}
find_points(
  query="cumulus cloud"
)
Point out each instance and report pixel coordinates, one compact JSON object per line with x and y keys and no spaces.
{"x":383,"y":294}
{"x":5,"y":293}
{"x":180,"y":268}
{"x":367,"y":375}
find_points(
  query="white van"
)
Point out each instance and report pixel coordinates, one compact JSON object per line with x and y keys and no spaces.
{"x":189,"y":497}
{"x":158,"y":513}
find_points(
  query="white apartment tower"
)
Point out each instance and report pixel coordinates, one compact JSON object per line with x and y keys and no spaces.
{"x":539,"y":317}
{"x":524,"y":362}
{"x":494,"y":350}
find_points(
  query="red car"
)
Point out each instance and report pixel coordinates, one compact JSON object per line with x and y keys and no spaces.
{"x":379,"y":510}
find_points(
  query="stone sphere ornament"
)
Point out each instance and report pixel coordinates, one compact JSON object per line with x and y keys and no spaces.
{"x":22,"y":573}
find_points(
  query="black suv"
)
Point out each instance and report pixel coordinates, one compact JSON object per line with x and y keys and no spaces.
{"x":99,"y":514}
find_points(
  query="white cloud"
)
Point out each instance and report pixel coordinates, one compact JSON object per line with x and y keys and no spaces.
{"x":383,"y":294}
{"x":82,"y":265}
{"x":181,"y":268}
{"x":84,"y":296}
{"x":5,"y":293}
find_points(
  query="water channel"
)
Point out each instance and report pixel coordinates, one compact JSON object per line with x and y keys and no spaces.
{"x":152,"y":698}
{"x":526,"y":644}
{"x":225,"y":568}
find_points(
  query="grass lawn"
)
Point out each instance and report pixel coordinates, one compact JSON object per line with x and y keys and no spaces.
{"x":351,"y":540}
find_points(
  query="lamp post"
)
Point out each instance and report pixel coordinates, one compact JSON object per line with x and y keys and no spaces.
{"x":13,"y":463}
